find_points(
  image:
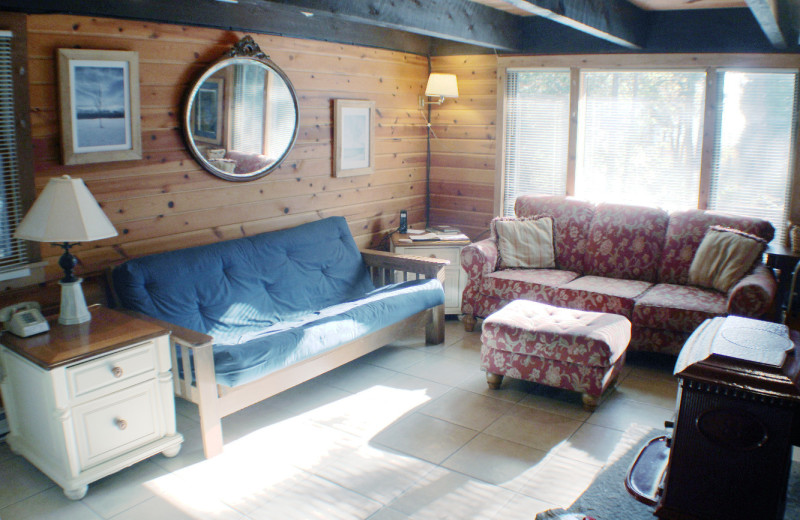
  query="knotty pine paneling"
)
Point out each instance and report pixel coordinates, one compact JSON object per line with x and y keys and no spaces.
{"x":166,"y":201}
{"x":463,"y":147}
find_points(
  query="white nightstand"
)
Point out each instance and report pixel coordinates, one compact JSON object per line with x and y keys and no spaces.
{"x":455,"y":277}
{"x":84,"y":401}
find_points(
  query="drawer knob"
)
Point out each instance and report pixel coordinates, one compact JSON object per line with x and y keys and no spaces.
{"x":117,"y":371}
{"x":121,"y":423}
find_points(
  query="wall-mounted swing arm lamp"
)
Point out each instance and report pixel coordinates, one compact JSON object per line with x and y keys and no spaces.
{"x":441,"y":86}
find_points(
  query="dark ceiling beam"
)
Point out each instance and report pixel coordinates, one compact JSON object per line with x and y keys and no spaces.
{"x":766,"y":12}
{"x":459,"y":21}
{"x":256,"y":17}
{"x":616,"y":21}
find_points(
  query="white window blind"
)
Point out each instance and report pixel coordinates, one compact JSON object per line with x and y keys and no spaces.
{"x":282,"y":117}
{"x":753,"y":150}
{"x":536,"y":134}
{"x":248,"y":109}
{"x":12,"y":251}
{"x":640,"y":137}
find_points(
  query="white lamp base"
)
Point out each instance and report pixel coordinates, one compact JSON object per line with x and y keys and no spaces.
{"x":73,"y":304}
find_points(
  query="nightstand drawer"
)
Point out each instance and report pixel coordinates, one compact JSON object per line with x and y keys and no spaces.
{"x":116,"y":423}
{"x":111,"y":369}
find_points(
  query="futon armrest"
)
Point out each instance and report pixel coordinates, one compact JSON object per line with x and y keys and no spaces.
{"x":754,"y":295}
{"x":184,"y":336}
{"x":391,"y":262}
{"x":480,"y":258}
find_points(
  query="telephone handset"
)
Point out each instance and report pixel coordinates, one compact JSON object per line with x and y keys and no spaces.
{"x":24,"y":319}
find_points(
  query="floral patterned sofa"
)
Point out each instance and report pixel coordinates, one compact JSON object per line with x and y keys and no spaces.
{"x":627,"y":260}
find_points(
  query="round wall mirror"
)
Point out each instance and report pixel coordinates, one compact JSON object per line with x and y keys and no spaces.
{"x":240,"y":118}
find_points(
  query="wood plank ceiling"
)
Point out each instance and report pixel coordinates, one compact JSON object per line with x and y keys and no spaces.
{"x":449,"y":27}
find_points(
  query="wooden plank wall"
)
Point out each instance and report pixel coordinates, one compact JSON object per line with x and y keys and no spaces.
{"x":166,"y":201}
{"x":463,"y":145}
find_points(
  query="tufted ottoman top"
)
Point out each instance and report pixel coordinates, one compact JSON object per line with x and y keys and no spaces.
{"x":572,"y":336}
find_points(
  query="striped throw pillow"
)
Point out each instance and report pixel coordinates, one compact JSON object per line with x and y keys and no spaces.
{"x":525,"y":242}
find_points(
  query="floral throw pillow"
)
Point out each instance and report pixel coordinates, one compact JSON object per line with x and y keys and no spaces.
{"x":525,"y":242}
{"x":724,"y":257}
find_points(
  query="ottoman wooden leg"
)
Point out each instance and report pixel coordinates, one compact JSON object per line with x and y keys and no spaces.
{"x":494,"y":380}
{"x":469,"y":322}
{"x":590,"y":402}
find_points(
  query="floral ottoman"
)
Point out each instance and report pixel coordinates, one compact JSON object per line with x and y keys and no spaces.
{"x":565,"y":348}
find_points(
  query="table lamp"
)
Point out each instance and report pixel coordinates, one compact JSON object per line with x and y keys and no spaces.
{"x":66,"y":214}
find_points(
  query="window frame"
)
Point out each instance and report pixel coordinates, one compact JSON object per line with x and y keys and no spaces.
{"x":709,"y":63}
{"x":30,"y":271}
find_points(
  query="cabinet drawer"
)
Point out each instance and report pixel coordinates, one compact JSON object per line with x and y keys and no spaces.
{"x":116,"y":423}
{"x":111,"y":369}
{"x":445,"y":253}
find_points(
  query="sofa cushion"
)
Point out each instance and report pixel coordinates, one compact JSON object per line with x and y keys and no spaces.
{"x":626,"y":242}
{"x":525,"y":242}
{"x":571,"y":220}
{"x":677,"y":307}
{"x":687,"y":229}
{"x":537,"y":285}
{"x":234,"y":287}
{"x":724,"y":257}
{"x":247,"y":357}
{"x":601,"y":294}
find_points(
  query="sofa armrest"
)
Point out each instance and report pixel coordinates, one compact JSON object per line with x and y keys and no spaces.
{"x":480,"y":258}
{"x":198,"y":383}
{"x":754,"y":295}
{"x":383,"y":265}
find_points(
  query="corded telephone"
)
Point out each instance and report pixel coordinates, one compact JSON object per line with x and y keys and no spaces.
{"x":24,"y":319}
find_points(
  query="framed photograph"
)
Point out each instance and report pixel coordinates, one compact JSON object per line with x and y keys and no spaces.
{"x":354,"y":137}
{"x":99,"y":98}
{"x":207,"y":111}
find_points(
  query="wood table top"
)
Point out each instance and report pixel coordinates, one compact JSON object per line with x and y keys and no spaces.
{"x":108,"y":330}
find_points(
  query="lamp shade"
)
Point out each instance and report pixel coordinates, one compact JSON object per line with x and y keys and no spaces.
{"x":65,"y":212}
{"x":443,"y":85}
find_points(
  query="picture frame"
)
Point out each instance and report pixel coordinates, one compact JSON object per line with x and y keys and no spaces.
{"x":99,"y":106}
{"x":207,"y":111}
{"x":354,"y":137}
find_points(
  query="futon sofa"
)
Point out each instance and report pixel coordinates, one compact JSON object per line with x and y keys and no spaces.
{"x":628,"y":260}
{"x":254,"y":316}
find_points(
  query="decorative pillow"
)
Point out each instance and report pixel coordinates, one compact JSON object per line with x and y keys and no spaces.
{"x":725,"y":255}
{"x":525,"y":242}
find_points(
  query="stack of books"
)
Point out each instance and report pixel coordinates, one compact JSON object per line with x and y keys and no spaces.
{"x":444,"y":230}
{"x":436,"y":233}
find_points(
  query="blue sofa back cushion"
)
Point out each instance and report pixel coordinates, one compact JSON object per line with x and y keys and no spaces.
{"x":229,"y":289}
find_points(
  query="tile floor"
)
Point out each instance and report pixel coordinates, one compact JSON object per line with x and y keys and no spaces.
{"x":406,"y":432}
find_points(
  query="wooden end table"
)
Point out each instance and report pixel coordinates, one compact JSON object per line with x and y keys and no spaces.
{"x":455,"y":278}
{"x":85,"y":401}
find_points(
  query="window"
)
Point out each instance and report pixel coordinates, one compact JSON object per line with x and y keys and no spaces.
{"x":638,"y":136}
{"x":13,"y":252}
{"x":756,"y":130}
{"x":248,"y":109}
{"x":537,"y":134}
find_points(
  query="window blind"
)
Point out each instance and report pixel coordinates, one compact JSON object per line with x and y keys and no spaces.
{"x":753,"y":150}
{"x":282,"y":114}
{"x":248,"y":109}
{"x":536,"y":134}
{"x":640,"y":137}
{"x":13,"y":252}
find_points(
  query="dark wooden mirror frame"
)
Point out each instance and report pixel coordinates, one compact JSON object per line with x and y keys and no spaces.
{"x":246,"y":50}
